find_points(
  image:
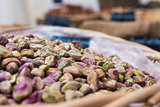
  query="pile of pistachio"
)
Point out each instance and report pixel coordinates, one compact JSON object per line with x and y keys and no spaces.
{"x":37,"y":71}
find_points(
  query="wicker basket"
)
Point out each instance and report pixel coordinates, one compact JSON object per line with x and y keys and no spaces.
{"x":112,"y":99}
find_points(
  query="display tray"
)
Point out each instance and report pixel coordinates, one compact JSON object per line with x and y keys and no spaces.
{"x":138,"y":55}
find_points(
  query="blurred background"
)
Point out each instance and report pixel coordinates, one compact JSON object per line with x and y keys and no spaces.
{"x":134,"y":20}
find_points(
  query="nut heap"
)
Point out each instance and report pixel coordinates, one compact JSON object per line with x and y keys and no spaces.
{"x":36,"y":71}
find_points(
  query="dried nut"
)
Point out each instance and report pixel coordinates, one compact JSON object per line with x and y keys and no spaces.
{"x":50,"y":61}
{"x":35,"y":46}
{"x":29,"y":35}
{"x":26,"y":72}
{"x":62,"y":65}
{"x":5,"y":76}
{"x":48,"y":81}
{"x":120,"y":85}
{"x":85,"y":89}
{"x":56,"y":85}
{"x":26,"y":65}
{"x":3,"y":40}
{"x":6,"y":61}
{"x":22,"y":90}
{"x":51,"y":95}
{"x":65,"y":45}
{"x":3,"y":100}
{"x":86,"y":71}
{"x":38,"y":84}
{"x":111,"y":85}
{"x":71,"y":85}
{"x":37,"y":72}
{"x":136,"y":87}
{"x":77,"y":45}
{"x":92,"y":80}
{"x":43,"y":67}
{"x":28,"y":53}
{"x":23,"y":78}
{"x":33,"y":61}
{"x":88,"y":60}
{"x":128,"y":75}
{"x":22,"y":45}
{"x":138,"y":79}
{"x":145,"y":73}
{"x":62,"y":53}
{"x":75,"y":54}
{"x":88,"y":51}
{"x":101,"y":85}
{"x":17,"y":54}
{"x":4,"y":52}
{"x":55,"y":75}
{"x":113,"y":74}
{"x":79,"y":65}
{"x":51,"y":70}
{"x":13,"y":79}
{"x":129,"y":82}
{"x":137,"y":73}
{"x":100,"y":72}
{"x":5,"y":87}
{"x":66,"y":78}
{"x":70,"y":94}
{"x":81,"y":80}
{"x":121,"y":70}
{"x":151,"y":79}
{"x":35,"y":97}
{"x":121,"y":77}
{"x":72,"y":70}
{"x":11,"y":46}
{"x":12,"y":67}
{"x":59,"y":47}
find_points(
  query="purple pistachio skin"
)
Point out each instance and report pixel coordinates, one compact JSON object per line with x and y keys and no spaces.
{"x":24,"y":78}
{"x":28,"y":65}
{"x":88,"y":60}
{"x":77,"y":45}
{"x":26,"y":72}
{"x":38,"y":84}
{"x":11,"y":46}
{"x":5,"y":76}
{"x":48,"y":81}
{"x":33,"y":98}
{"x":80,"y":65}
{"x":55,"y":75}
{"x":138,"y":79}
{"x":22,"y":90}
{"x":92,"y":80}
{"x":128,"y":84}
{"x":113,"y":74}
{"x":3,"y":40}
{"x":120,"y":85}
{"x":152,"y":79}
{"x":89,"y":51}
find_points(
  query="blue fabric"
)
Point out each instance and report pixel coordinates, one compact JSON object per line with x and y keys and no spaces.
{"x":151,"y":42}
{"x":84,"y":41}
{"x":122,"y":17}
{"x":57,"y":21}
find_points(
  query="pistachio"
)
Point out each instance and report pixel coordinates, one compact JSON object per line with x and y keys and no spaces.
{"x":77,"y":45}
{"x":48,"y":81}
{"x":121,"y":77}
{"x":88,"y":51}
{"x":28,"y":53}
{"x":17,"y":54}
{"x":70,"y":94}
{"x":12,"y":67}
{"x":138,"y":79}
{"x":113,"y":74}
{"x":33,"y":61}
{"x":120,"y":85}
{"x":56,"y":85}
{"x":62,"y":65}
{"x":151,"y":79}
{"x":37,"y":72}
{"x":3,"y":100}
{"x":72,"y":70}
{"x":121,"y":70}
{"x":51,"y":70}
{"x":22,"y":90}
{"x":22,"y":45}
{"x":65,"y":45}
{"x":6,"y":61}
{"x":51,"y":95}
{"x":136,"y":87}
{"x":23,"y":78}
{"x":28,"y":65}
{"x":88,"y":60}
{"x":79,"y":65}
{"x":11,"y":46}
{"x":71,"y":85}
{"x":75,"y":54}
{"x":128,"y":75}
{"x":3,"y":40}
{"x":111,"y":85}
{"x":38,"y":84}
{"x":50,"y":61}
{"x":85,"y":89}
{"x":5,"y":76}
{"x":33,"y":98}
{"x":36,"y":46}
{"x":62,"y":53}
{"x":26,"y":72}
{"x":92,"y":80}
{"x":137,"y":72}
{"x":100,"y":72}
{"x":129,"y":82}
{"x":55,"y":75}
{"x":5,"y":87}
{"x":66,"y":78}
{"x":81,"y":80}
{"x":13,"y":78}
